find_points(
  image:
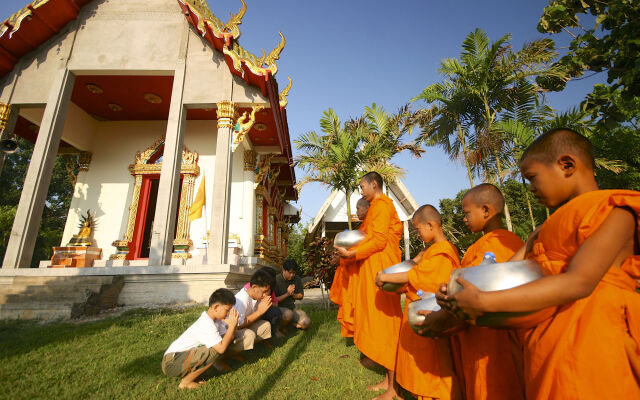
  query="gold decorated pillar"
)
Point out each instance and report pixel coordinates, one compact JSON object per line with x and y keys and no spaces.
{"x":218,"y":236}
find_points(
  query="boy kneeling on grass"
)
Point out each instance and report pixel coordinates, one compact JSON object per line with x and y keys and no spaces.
{"x":202,"y":344}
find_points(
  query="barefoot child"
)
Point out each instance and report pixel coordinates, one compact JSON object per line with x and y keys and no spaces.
{"x":589,"y":348}
{"x":486,"y":363}
{"x":203,"y":342}
{"x":377,"y":314}
{"x":345,"y":280}
{"x":424,"y":366}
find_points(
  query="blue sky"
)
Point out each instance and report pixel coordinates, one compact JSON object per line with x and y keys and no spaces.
{"x":348,"y":54}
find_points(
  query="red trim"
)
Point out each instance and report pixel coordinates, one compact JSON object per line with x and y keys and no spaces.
{"x":143,"y":206}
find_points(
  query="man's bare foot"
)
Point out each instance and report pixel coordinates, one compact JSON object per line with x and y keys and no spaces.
{"x":384,"y":385}
{"x":222,"y":366}
{"x":368,"y":363}
{"x":388,"y":395}
{"x":190,"y":385}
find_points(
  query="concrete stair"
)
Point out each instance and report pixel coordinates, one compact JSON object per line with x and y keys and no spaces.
{"x":52,"y":298}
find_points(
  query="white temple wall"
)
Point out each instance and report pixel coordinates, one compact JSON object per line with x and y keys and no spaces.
{"x":337,"y":211}
{"x":240,"y":218}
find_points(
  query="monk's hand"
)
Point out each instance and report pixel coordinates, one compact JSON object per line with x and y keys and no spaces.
{"x":344,"y":253}
{"x":442,"y":299}
{"x":467,"y":304}
{"x":379,"y":281}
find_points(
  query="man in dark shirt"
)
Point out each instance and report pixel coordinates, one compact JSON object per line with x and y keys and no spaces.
{"x":289,"y":289}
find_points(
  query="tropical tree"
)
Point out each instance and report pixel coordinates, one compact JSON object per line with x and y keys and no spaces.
{"x":332,"y":159}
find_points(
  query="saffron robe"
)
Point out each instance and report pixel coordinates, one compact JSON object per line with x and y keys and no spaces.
{"x":344,"y":285}
{"x":485,"y":357}
{"x":424,"y":365}
{"x":588,"y":349}
{"x":377,"y":314}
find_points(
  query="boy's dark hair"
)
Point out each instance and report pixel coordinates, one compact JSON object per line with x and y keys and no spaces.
{"x":553,"y":143}
{"x":270,"y":270}
{"x":486,"y":193}
{"x":373,"y":176}
{"x":427,"y":213}
{"x":262,"y":278}
{"x":223,"y":297}
{"x":290,"y":265}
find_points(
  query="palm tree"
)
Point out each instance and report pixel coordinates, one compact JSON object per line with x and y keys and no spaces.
{"x":331,"y":159}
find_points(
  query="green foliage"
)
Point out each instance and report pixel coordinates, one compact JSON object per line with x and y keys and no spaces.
{"x":621,"y":143}
{"x":612,"y":44}
{"x":56,"y":206}
{"x":295,"y":247}
{"x":119,"y":358}
{"x":453,"y":224}
{"x":416,"y":245}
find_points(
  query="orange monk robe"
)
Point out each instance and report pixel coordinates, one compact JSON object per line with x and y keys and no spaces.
{"x":342,"y":288}
{"x":485,"y":357}
{"x":377,"y":314}
{"x":589,"y":347}
{"x":425,"y":366}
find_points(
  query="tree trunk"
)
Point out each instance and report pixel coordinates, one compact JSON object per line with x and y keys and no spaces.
{"x":348,"y":197}
{"x":526,"y":195}
{"x":464,"y":153}
{"x":507,"y":214}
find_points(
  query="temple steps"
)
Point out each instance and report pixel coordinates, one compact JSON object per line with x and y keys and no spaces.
{"x":52,"y":298}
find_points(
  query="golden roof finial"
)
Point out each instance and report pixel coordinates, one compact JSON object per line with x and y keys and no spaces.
{"x":236,"y":19}
{"x":284,"y":94}
{"x":275,"y":53}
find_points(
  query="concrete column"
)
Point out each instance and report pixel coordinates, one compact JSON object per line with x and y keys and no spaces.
{"x":249,"y":202}
{"x":219,"y":233}
{"x":36,"y":183}
{"x":164,"y":221}
{"x":10,"y":125}
{"x":407,"y":243}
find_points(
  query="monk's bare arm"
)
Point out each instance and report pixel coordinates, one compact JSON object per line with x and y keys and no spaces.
{"x":528,"y":245}
{"x":608,"y":246}
{"x":400,"y":277}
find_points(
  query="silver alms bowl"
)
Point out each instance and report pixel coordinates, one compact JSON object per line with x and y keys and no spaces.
{"x":428,"y":303}
{"x":500,"y":276}
{"x":403,"y":266}
{"x":348,"y":239}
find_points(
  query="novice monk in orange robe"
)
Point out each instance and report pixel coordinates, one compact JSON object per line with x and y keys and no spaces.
{"x":425,"y":366}
{"x":345,"y":280}
{"x":485,"y":356}
{"x":377,"y":313}
{"x":589,"y":348}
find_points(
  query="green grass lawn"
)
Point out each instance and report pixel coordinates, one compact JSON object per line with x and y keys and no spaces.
{"x":119,"y":358}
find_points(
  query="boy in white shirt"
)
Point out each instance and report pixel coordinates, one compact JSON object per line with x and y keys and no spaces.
{"x":251,"y":304}
{"x":203,"y":342}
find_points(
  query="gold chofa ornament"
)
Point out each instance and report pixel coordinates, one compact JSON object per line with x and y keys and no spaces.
{"x":83,"y":238}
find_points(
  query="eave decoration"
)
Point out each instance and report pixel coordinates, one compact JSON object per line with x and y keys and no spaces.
{"x":283,"y":95}
{"x":243,"y":126}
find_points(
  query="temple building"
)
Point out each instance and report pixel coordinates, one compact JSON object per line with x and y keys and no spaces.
{"x":332,"y":215}
{"x":157,"y":104}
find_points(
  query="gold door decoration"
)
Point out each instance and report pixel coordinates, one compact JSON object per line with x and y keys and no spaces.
{"x":190,"y":170}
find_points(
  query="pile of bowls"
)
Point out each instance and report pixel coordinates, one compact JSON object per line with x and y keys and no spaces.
{"x":427,"y":302}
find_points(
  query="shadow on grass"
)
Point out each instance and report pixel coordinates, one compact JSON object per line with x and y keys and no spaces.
{"x":292,"y":354}
{"x":147,"y":365}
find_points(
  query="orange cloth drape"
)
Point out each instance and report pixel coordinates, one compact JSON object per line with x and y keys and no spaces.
{"x":488,"y":360}
{"x":424,"y":366}
{"x":377,"y":314}
{"x":589,"y":349}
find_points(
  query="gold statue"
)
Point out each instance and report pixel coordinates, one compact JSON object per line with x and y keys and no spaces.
{"x":83,"y":238}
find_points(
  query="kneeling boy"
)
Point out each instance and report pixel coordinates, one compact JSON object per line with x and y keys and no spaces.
{"x":201,"y":344}
{"x":288,"y":290}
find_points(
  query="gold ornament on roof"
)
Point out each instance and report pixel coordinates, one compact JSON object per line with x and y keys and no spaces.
{"x":236,"y":19}
{"x":5,"y":112}
{"x":270,"y":61}
{"x":83,"y":238}
{"x":284,"y":94}
{"x":243,"y":127}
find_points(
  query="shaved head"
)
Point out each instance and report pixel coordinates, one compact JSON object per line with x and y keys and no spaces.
{"x":486,"y":194}
{"x":427,"y":213}
{"x":556,"y":142}
{"x":362,"y":202}
{"x":373,"y":177}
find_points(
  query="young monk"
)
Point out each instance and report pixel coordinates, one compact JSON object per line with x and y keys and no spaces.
{"x":377,"y":314}
{"x":485,"y":356}
{"x":345,"y":280}
{"x":589,"y":348}
{"x":425,"y":366}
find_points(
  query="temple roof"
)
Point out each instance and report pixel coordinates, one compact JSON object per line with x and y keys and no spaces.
{"x":31,"y":26}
